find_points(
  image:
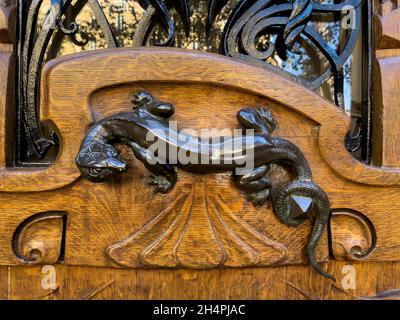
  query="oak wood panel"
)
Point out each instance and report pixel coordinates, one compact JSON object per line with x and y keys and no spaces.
{"x":137,"y":65}
{"x":5,"y":64}
{"x":149,"y":64}
{"x":386,"y":147}
{"x":7,"y":25}
{"x":100,"y":215}
{"x":103,"y":215}
{"x":372,"y":281}
{"x":4,"y":276}
{"x":7,"y":34}
{"x":329,"y":134}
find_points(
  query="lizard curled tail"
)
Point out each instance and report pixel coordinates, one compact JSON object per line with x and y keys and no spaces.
{"x":302,"y":185}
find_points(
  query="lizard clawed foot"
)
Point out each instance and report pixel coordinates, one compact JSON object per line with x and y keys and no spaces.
{"x":260,"y":197}
{"x":257,"y":185}
{"x":162,"y":184}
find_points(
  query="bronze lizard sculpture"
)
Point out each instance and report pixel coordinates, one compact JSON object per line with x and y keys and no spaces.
{"x":98,"y":159}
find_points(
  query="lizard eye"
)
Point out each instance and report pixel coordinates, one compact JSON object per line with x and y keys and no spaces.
{"x":164,"y":110}
{"x":141,"y":98}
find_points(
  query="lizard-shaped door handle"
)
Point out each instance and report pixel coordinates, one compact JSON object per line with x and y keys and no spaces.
{"x":294,"y":202}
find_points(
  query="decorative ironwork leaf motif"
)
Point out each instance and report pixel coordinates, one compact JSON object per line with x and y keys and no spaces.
{"x":183,"y":9}
{"x":232,"y":19}
{"x":103,"y":22}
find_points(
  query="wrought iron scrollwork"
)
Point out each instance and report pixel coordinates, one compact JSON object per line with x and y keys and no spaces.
{"x":32,"y":47}
{"x":284,"y":26}
{"x":288,"y":22}
{"x":354,"y":139}
{"x":148,"y":122}
{"x":159,"y":11}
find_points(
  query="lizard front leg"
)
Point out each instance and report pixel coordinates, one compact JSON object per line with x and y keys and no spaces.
{"x":256,"y":184}
{"x":164,"y":175}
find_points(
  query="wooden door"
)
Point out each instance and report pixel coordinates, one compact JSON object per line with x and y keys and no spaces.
{"x":320,"y":201}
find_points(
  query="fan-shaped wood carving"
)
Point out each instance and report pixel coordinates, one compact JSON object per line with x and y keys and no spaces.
{"x":197,"y":230}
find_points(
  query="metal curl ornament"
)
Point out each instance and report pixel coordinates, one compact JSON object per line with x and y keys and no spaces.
{"x":72,"y":30}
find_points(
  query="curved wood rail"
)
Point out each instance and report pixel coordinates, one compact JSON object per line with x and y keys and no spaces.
{"x":64,"y":79}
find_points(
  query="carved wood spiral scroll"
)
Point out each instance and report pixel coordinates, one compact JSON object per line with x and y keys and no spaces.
{"x":40,"y":238}
{"x":353,"y":235}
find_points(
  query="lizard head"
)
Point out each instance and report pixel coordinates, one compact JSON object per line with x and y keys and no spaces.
{"x":99,"y":160}
{"x":259,"y":118}
{"x":145,"y":101}
{"x":267,"y":118}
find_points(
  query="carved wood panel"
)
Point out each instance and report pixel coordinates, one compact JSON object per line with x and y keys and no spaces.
{"x":387,"y":74}
{"x":50,"y":215}
{"x":288,"y":282}
{"x":122,"y":223}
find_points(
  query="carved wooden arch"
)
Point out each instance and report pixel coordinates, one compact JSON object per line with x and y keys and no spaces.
{"x":79,"y":89}
{"x":137,"y":65}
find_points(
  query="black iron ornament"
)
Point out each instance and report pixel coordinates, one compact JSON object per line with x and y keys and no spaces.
{"x":32,"y":44}
{"x":288,"y":22}
{"x":283,"y":23}
{"x":148,"y":123}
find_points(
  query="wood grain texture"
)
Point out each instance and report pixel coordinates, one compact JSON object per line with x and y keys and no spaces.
{"x":102,"y":215}
{"x":198,"y":230}
{"x":5,"y":92}
{"x":7,"y":33}
{"x":267,"y":283}
{"x":4,"y":272}
{"x":119,"y":204}
{"x":315,"y":125}
{"x":105,"y":220}
{"x":7,"y":24}
{"x":113,"y":67}
{"x":387,"y":26}
{"x":116,"y":223}
{"x":353,"y":236}
{"x":386,"y":114}
{"x":39,"y":239}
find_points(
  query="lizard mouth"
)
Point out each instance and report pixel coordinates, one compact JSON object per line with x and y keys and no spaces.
{"x":96,"y":174}
{"x":95,"y":170}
